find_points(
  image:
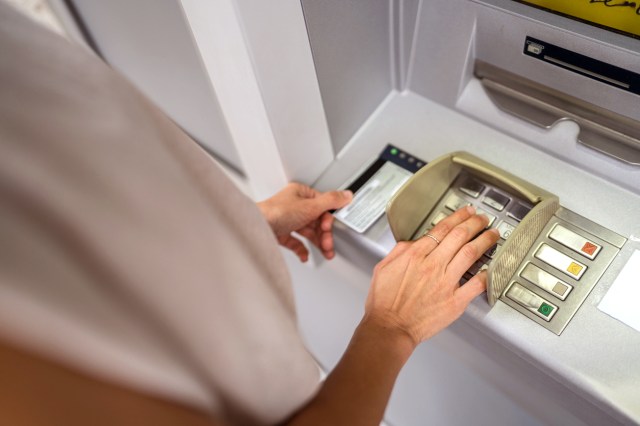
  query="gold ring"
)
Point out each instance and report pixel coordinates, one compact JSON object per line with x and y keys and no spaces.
{"x":432,"y":237}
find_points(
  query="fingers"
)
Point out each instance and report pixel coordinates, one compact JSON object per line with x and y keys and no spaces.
{"x":397,"y":251}
{"x":323,"y":240}
{"x":330,"y":200}
{"x":326,"y":245}
{"x":470,"y":253}
{"x":460,"y":235}
{"x":473,"y":288}
{"x":326,"y":221}
{"x":441,"y":230}
{"x":295,"y":246}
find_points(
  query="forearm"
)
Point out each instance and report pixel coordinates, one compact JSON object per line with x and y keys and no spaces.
{"x":358,"y":389}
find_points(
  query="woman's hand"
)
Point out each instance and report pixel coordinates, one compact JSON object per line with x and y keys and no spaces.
{"x":415,"y":290}
{"x":301,"y":209}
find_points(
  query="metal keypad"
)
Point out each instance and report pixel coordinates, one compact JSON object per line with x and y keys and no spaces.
{"x":562,"y":266}
{"x":468,"y":190}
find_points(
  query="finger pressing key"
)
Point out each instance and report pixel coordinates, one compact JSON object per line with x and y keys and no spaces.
{"x":470,"y":253}
{"x":473,"y":288}
{"x":440,"y":231}
{"x":460,"y":235}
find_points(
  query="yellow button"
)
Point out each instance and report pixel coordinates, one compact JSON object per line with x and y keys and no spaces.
{"x":574,"y":268}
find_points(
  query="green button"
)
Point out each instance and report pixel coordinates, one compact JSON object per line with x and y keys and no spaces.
{"x":394,"y":151}
{"x":545,"y":309}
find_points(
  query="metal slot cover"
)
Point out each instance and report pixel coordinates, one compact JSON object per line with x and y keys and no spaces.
{"x":602,"y":130}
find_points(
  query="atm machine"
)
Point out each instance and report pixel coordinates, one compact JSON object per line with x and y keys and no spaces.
{"x":528,"y":110}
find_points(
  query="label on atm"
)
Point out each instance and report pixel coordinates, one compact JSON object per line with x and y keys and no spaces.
{"x":370,"y":200}
{"x":620,"y":15}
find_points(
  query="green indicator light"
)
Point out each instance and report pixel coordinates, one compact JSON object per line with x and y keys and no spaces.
{"x":394,"y":151}
{"x":545,"y":309}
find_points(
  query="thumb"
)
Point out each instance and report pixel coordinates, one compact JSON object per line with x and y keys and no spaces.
{"x":331,"y":200}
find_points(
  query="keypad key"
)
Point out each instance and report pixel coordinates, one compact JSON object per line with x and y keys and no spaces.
{"x":519,"y":211}
{"x":491,"y":217}
{"x":454,"y":202}
{"x":560,"y":261}
{"x":438,"y":218}
{"x":475,"y":268}
{"x":471,"y":187}
{"x":531,"y":301}
{"x":505,"y":229}
{"x":546,"y":281}
{"x":492,"y":251}
{"x":496,"y":200}
{"x":575,"y":242}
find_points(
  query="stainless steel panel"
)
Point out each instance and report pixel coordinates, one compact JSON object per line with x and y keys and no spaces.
{"x":588,"y":278}
{"x":350,"y":41}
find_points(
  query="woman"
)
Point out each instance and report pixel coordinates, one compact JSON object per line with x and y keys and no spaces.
{"x":140,"y":286}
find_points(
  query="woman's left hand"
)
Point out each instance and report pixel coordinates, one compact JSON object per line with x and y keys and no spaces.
{"x":301,"y":209}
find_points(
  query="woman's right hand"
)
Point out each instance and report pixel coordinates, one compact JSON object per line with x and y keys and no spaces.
{"x":415,"y":290}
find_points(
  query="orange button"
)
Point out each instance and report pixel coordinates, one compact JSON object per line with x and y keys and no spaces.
{"x":589,"y":248}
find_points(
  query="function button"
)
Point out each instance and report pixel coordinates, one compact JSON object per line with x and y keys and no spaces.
{"x":561,"y":289}
{"x":505,"y":229}
{"x":496,"y":200}
{"x":546,"y":281}
{"x":560,"y":261}
{"x":403,"y":155}
{"x":545,"y":309}
{"x":438,"y":218}
{"x":419,"y":164}
{"x":472,"y":187}
{"x":575,"y":242}
{"x":519,"y":211}
{"x":491,"y":217}
{"x":531,"y":301}
{"x":411,"y":160}
{"x":453,"y":202}
{"x":492,"y":251}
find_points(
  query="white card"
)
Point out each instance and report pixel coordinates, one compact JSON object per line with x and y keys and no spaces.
{"x":371,"y":199}
{"x":621,"y":301}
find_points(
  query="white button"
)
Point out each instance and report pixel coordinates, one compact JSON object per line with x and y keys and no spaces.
{"x":561,"y":261}
{"x":454,"y":202}
{"x":505,"y":229}
{"x":531,"y":301}
{"x":438,"y":218}
{"x":546,"y":281}
{"x":575,"y":242}
{"x":491,"y":217}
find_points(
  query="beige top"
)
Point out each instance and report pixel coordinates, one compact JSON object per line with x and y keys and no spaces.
{"x":125,"y":252}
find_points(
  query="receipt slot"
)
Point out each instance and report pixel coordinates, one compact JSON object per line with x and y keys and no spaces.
{"x":548,"y":258}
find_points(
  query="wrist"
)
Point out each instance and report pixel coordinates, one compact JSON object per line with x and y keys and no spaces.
{"x":270,"y":214}
{"x":388,"y":336}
